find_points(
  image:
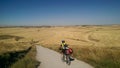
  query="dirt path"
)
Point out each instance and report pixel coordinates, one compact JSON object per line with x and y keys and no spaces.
{"x":52,"y":59}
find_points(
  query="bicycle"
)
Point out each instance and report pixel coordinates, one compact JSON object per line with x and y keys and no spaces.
{"x":66,"y":58}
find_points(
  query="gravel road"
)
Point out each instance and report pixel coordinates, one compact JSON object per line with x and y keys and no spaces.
{"x":52,"y":59}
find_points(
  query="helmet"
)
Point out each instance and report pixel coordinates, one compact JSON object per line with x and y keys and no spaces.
{"x":63,"y":41}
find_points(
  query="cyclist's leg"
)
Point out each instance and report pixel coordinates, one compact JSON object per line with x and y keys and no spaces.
{"x":64,"y":56}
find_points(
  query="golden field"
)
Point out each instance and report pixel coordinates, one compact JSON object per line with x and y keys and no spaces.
{"x":96,"y":45}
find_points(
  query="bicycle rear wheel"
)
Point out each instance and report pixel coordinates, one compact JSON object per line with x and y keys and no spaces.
{"x":68,"y":60}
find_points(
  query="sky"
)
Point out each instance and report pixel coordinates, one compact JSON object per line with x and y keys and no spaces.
{"x":59,"y":12}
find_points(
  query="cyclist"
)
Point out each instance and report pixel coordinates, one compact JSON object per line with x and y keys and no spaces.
{"x":63,"y":47}
{"x":66,"y":51}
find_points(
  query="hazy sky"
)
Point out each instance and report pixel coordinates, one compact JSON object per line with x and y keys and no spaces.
{"x":59,"y":12}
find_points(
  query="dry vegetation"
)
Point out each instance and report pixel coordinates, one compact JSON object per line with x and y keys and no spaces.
{"x":96,"y":45}
{"x":28,"y":61}
{"x":14,"y":50}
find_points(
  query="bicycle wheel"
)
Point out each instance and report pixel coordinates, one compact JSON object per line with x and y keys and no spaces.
{"x":68,"y":60}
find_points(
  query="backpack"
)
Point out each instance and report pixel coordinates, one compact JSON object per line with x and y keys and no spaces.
{"x":69,"y":51}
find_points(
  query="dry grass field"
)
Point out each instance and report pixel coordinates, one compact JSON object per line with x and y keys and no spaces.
{"x":96,"y":45}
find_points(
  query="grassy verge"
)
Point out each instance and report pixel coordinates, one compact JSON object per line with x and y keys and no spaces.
{"x":99,"y":57}
{"x":29,"y":61}
{"x":16,"y":54}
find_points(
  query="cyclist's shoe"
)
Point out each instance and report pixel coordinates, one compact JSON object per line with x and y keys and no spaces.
{"x":72,"y":59}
